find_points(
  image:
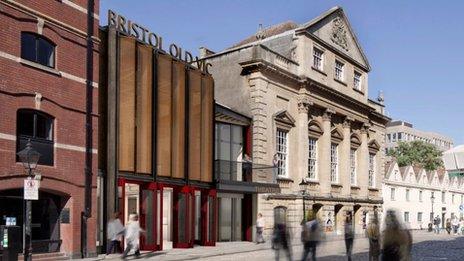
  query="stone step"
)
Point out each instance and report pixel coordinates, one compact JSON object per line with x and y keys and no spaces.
{"x":46,"y":256}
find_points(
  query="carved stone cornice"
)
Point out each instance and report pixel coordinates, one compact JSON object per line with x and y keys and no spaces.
{"x":327,"y":116}
{"x":365,"y":128}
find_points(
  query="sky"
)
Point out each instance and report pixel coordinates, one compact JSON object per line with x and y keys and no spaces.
{"x":415,"y":48}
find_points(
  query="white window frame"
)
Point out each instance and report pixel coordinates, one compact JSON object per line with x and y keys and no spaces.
{"x":334,"y":162}
{"x":406,"y":217}
{"x":408,"y":191}
{"x":312,"y":158}
{"x":282,"y":152}
{"x":339,"y":70}
{"x":443,"y":197}
{"x":318,"y":58}
{"x":371,"y":174}
{"x":420,"y":195}
{"x":357,"y":80}
{"x":353,"y":164}
{"x":392,"y":194}
{"x":419,"y":216}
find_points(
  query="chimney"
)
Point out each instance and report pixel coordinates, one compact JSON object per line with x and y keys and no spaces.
{"x":204,"y":52}
{"x":381,"y":98}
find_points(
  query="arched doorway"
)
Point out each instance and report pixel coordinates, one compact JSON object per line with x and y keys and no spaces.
{"x":45,"y":222}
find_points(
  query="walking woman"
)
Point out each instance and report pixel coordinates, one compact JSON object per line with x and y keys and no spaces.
{"x":373,"y":234}
{"x":396,"y":241}
{"x":349,"y":236}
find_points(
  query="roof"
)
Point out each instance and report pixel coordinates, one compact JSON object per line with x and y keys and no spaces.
{"x":268,"y":32}
{"x":403,"y":171}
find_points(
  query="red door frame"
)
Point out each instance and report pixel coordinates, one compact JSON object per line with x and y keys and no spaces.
{"x":205,"y":217}
{"x":155,"y":188}
{"x":189,"y":194}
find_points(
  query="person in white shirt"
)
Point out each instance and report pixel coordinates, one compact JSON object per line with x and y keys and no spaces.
{"x":260,"y":223}
{"x":133,"y":231}
{"x":115,"y":229}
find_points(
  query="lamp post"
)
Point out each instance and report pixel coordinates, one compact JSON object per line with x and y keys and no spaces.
{"x":29,"y":158}
{"x":303,"y":185}
{"x":432,"y":199}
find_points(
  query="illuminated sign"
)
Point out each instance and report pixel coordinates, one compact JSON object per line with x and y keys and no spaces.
{"x":129,"y":28}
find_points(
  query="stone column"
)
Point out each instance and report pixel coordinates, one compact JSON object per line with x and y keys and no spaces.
{"x":302,"y":125}
{"x":344,"y":151}
{"x":261,"y":146}
{"x":324,"y":159}
{"x":363,"y":162}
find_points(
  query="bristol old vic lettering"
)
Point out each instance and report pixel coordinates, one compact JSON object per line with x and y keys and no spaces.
{"x":128,"y":27}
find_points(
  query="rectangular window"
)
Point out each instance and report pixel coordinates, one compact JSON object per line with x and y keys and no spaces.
{"x":357,"y":81}
{"x":353,"y":166}
{"x":394,"y":137}
{"x":407,"y":194}
{"x":452,"y":199}
{"x":312,"y":158}
{"x":462,"y":199}
{"x":406,"y":217}
{"x":389,"y":137}
{"x":392,"y":194}
{"x":419,"y":216}
{"x":371,"y":177}
{"x":443,"y":197}
{"x":420,"y":196}
{"x":334,"y":163}
{"x":282,"y":150}
{"x":317,"y":58}
{"x":339,"y":70}
{"x":400,"y":136}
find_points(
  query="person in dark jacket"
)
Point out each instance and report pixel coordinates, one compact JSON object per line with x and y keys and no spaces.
{"x":349,"y":236}
{"x":396,"y":240}
{"x":310,"y":236}
{"x":281,"y":241}
{"x":373,"y":234}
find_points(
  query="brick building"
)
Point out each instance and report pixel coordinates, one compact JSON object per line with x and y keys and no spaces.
{"x":49,"y":95}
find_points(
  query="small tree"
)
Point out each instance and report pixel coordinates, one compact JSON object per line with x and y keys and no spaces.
{"x":418,"y":154}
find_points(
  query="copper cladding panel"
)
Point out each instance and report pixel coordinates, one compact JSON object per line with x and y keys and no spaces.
{"x":207,"y":125}
{"x":178,"y":120}
{"x":194,"y":131}
{"x":144,"y":109}
{"x":126,"y":101}
{"x":164,"y":124}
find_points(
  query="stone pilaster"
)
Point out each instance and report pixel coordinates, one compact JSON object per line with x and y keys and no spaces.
{"x":302,"y":125}
{"x":258,"y":91}
{"x":324,"y":159}
{"x":344,"y":156}
{"x":363,"y":161}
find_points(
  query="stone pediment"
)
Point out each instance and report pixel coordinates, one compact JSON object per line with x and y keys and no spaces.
{"x":334,"y":29}
{"x":374,"y":145}
{"x":315,"y":128}
{"x":337,"y":135}
{"x":283,"y":117}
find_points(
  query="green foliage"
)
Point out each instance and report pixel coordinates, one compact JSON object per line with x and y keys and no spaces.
{"x":418,"y":154}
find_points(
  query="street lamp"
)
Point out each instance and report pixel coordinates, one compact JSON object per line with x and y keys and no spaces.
{"x":29,"y":158}
{"x":432,"y":199}
{"x":303,"y":185}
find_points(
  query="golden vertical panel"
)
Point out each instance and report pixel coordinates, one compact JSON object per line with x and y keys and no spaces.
{"x":207,"y":125}
{"x":144,"y":108}
{"x":178,"y":120}
{"x":126,"y":101}
{"x":164,"y":122}
{"x":194,"y":130}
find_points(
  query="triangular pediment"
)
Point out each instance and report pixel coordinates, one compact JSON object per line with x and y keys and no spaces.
{"x":355,"y":140}
{"x":393,"y":173}
{"x":334,"y":29}
{"x":374,"y":145}
{"x":285,"y":118}
{"x":337,"y":134}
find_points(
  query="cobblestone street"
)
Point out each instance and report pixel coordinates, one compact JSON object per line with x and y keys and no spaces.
{"x":427,"y":247}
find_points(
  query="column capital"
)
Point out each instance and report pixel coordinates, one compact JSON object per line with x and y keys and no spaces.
{"x":365,"y":128}
{"x":303,"y":105}
{"x":327,"y":115}
{"x":347,"y":122}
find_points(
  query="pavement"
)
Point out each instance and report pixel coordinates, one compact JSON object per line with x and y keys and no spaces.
{"x":427,"y":247}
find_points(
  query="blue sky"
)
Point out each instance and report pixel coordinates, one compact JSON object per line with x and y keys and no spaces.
{"x":415,"y":48}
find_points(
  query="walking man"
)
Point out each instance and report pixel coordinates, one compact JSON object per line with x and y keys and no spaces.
{"x":437,"y":222}
{"x":349,"y":236}
{"x":115,"y":230}
{"x":310,"y":236}
{"x":133,"y":231}
{"x":260,"y":229}
{"x":373,"y":234}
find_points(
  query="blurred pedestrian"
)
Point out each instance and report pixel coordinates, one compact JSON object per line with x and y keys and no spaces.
{"x":455,"y":224}
{"x":349,"y":236}
{"x":115,"y":230}
{"x":373,"y":234}
{"x":133,"y":231}
{"x":260,"y":223}
{"x":448,"y":226}
{"x":310,"y":236}
{"x":462,"y":226}
{"x":281,"y":241}
{"x":396,"y":241}
{"x":436,"y":222}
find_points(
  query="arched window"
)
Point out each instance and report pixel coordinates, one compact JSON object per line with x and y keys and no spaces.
{"x":38,"y":127}
{"x":36,"y":48}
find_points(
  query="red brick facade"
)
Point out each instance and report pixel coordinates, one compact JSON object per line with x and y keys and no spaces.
{"x":63,"y":96}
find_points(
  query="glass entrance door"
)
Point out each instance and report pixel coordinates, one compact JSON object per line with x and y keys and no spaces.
{"x":145,"y":200}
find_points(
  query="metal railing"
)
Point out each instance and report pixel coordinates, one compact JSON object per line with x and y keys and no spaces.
{"x":244,"y":171}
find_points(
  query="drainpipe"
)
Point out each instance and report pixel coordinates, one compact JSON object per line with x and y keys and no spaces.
{"x":87,"y":213}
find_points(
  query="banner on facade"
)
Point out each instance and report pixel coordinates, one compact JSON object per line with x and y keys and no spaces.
{"x":31,"y":189}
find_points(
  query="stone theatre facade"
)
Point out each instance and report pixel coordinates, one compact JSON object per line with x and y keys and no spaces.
{"x":305,"y":87}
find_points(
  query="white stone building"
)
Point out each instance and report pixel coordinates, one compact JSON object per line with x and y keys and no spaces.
{"x":305,"y":89}
{"x":401,"y":131}
{"x":409,"y":191}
